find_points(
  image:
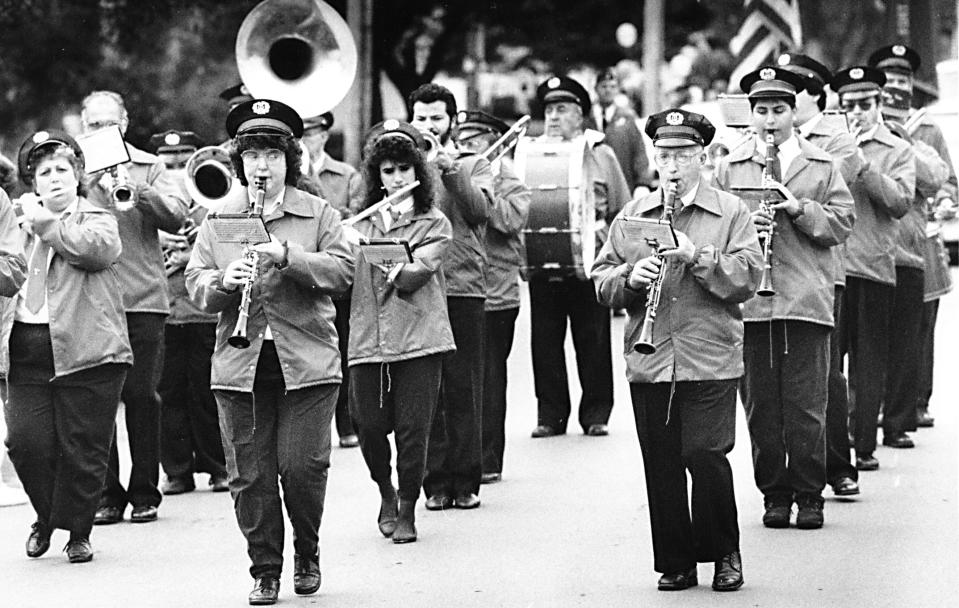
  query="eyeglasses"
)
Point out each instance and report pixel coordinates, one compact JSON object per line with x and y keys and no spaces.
{"x":864,"y":104}
{"x":682,"y":159}
{"x":272,"y":156}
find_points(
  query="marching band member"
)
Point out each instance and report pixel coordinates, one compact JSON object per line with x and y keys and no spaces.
{"x":786,"y":341}
{"x":553,"y":299}
{"x":64,"y":342}
{"x":464,"y":193}
{"x":400,"y":327}
{"x":841,"y":473}
{"x":157,"y":204}
{"x":189,"y":427}
{"x":276,"y":397}
{"x":883,"y":193}
{"x":476,"y":132}
{"x":684,"y":394}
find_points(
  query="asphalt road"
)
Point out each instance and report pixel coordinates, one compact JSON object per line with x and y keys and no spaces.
{"x":568,"y":526}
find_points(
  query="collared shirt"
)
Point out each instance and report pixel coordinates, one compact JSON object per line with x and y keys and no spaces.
{"x":603,"y":116}
{"x":690,"y":196}
{"x":42,"y":316}
{"x":401,"y":207}
{"x":807,"y":127}
{"x":870,"y":134}
{"x":788,"y":152}
{"x":317,"y":163}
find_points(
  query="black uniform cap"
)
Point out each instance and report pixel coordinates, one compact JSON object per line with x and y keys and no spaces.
{"x":895,"y":58}
{"x":677,"y":127}
{"x":263,"y":117}
{"x":323,"y":121}
{"x":563,"y":88}
{"x":396,"y":128}
{"x":858,"y":78}
{"x":174,"y":141}
{"x":475,"y":120}
{"x":806,"y":66}
{"x":772,"y":82}
{"x":39,"y":140}
{"x":236,"y":94}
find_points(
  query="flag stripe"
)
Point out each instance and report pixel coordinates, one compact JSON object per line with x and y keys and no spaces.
{"x":768,"y":26}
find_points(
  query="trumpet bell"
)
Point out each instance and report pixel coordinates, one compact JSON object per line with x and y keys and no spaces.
{"x":300,"y":52}
{"x":209,"y":176}
{"x":433,"y":145}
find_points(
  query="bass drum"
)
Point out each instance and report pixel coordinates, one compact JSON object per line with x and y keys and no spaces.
{"x":560,"y":232}
{"x":938,"y":281}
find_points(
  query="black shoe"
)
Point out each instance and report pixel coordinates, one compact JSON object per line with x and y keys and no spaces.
{"x":349,"y":441}
{"x":545,"y":430}
{"x":405,"y":523}
{"x":108,"y":515}
{"x":265,"y":591}
{"x":386,"y":520}
{"x":79,"y":550}
{"x":219,"y":483}
{"x":845,"y":486}
{"x":39,"y":540}
{"x":438,"y":502}
{"x":466,"y":500}
{"x":924,"y":420}
{"x":866,"y":462}
{"x":729,"y":573}
{"x":897,"y":440}
{"x":777,"y":514}
{"x":144,"y":514}
{"x":677,"y":581}
{"x":809,"y":516}
{"x":597,"y":430}
{"x":306,"y":575}
{"x":177,"y":485}
{"x":491,"y":477}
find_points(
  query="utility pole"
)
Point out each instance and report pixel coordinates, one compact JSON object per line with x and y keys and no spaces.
{"x":359,"y":101}
{"x":653,"y":50}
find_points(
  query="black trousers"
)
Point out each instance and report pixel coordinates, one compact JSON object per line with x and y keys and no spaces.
{"x":500,"y":325}
{"x":695,"y":433}
{"x":905,"y":351}
{"x":274,"y":437}
{"x":454,"y":462}
{"x":868,"y":321}
{"x":59,"y":430}
{"x":344,"y":425}
{"x":400,"y":398}
{"x":142,"y":413}
{"x":190,"y":427}
{"x":838,"y":460}
{"x":785,"y":393}
{"x":930,"y":312}
{"x":551,"y":303}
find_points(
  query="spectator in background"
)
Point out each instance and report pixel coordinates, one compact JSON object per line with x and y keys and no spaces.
{"x":618,"y":124}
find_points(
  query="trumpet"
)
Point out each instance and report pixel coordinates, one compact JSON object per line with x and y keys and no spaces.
{"x":766,"y":282}
{"x":644,"y":345}
{"x":239,"y":338}
{"x":121,"y":193}
{"x":433,"y":145}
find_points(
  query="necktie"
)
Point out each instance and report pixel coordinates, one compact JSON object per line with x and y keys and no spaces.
{"x":775,"y":167}
{"x":37,"y":279}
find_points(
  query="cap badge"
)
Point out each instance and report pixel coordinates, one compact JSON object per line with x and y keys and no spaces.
{"x":261,"y":107}
{"x":172,"y":139}
{"x":244,"y":90}
{"x":784,"y":59}
{"x":391,"y":124}
{"x":898,"y":50}
{"x":462,"y":116}
{"x":856,"y":73}
{"x":767,"y":73}
{"x":552,"y":83}
{"x":40,"y":136}
{"x":674,"y":118}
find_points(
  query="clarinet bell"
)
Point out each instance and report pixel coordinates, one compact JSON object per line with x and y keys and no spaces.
{"x":644,"y":345}
{"x":766,"y":284}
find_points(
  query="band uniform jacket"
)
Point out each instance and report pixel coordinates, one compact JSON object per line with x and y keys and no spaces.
{"x":159,"y":206}
{"x":883,"y":194}
{"x":464,"y":193}
{"x":504,"y":237}
{"x":931,"y":174}
{"x":88,"y":326}
{"x":801,"y":258}
{"x":930,"y":133}
{"x":294,"y":299}
{"x":408,"y":319}
{"x":183,"y":309}
{"x":841,"y":145}
{"x":13,"y":264}
{"x":698,"y":330}
{"x":340,"y":184}
{"x":624,"y":138}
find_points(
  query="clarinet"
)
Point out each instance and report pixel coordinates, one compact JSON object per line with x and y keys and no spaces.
{"x":644,"y":345}
{"x":239,"y":338}
{"x":766,"y":282}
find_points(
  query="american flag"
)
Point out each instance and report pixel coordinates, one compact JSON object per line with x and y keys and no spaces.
{"x":770,"y":27}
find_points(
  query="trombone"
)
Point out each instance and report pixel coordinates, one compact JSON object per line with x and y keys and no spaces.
{"x":508,"y":140}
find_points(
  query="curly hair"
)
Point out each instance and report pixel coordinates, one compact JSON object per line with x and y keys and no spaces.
{"x":286,"y":144}
{"x":430,"y":92}
{"x":399,"y":149}
{"x":42,"y":153}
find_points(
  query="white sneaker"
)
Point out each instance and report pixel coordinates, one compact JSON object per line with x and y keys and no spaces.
{"x":11,"y":497}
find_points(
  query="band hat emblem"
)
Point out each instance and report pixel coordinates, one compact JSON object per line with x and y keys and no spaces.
{"x":261,"y":108}
{"x":391,"y":125}
{"x":674,"y":118}
{"x":552,"y":83}
{"x":767,"y":74}
{"x":784,"y":59}
{"x":461,"y":116}
{"x":856,"y":73}
{"x":172,"y":139}
{"x":899,"y":50}
{"x":40,"y":136}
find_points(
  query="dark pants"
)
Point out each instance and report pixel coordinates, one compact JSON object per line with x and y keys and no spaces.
{"x":190,"y":427}
{"x":59,"y":430}
{"x":275,"y":433}
{"x":454,"y":459}
{"x":785,"y":393}
{"x":700,"y":432}
{"x":551,"y":303}
{"x":838,"y":460}
{"x":905,"y":350}
{"x":344,"y":426}
{"x":499,"y":342}
{"x":396,"y":397}
{"x":142,"y":414}
{"x":868,"y":323}
{"x":930,"y":312}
